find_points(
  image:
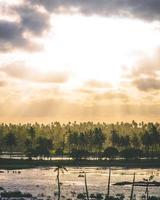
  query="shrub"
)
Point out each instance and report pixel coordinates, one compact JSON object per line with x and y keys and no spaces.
{"x":110,"y":152}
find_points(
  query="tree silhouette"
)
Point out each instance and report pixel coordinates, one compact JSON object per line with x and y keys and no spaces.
{"x":132,"y":190}
{"x":86,"y":186}
{"x":85,"y":137}
{"x":58,"y":169}
{"x":29,"y":150}
{"x":43,"y":146}
{"x":147,"y":185}
{"x":10,"y":141}
{"x":99,"y":139}
{"x":109,"y":180}
{"x":110,"y":152}
{"x":115,"y":140}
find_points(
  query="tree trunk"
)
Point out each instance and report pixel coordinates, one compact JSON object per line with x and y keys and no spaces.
{"x":109,"y":180}
{"x":86,"y":187}
{"x":59,"y":187}
{"x":10,"y":151}
{"x":132,"y":190}
{"x":147,"y":191}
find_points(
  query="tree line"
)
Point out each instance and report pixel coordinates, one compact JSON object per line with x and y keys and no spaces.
{"x":82,"y":140}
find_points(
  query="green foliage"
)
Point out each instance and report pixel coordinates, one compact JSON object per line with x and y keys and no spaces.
{"x":43,"y":147}
{"x":10,"y":141}
{"x":131,"y":153}
{"x":110,"y":152}
{"x":87,"y":137}
{"x":79,"y":154}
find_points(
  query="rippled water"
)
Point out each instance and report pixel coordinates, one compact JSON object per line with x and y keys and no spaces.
{"x":43,"y":180}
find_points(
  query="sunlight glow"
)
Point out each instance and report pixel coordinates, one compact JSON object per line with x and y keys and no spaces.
{"x":95,"y":47}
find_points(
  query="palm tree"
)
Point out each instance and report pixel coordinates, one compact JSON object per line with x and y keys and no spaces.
{"x":99,"y":139}
{"x":147,"y":185}
{"x":63,"y":144}
{"x":10,"y":141}
{"x":132,"y":190}
{"x":58,"y":168}
{"x":109,"y":180}
{"x":86,"y":187}
{"x":43,"y":146}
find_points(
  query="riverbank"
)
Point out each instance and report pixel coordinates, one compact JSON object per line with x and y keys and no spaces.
{"x":24,"y":164}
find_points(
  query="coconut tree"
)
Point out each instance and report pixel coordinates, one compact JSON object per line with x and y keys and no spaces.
{"x":147,"y":185}
{"x":86,"y":186}
{"x":109,"y":180}
{"x":58,"y":169}
{"x":132,"y":190}
{"x":10,"y":141}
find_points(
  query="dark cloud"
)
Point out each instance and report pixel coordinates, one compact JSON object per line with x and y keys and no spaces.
{"x":13,"y":33}
{"x":147,"y":84}
{"x":22,"y":72}
{"x":11,"y":36}
{"x":32,"y":20}
{"x":143,"y":9}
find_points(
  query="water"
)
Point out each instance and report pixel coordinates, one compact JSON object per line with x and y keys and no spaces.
{"x":42,"y":181}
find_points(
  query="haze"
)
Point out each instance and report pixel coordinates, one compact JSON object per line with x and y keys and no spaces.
{"x":79,"y":60}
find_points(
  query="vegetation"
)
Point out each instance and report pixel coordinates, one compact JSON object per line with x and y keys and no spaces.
{"x":58,"y":169}
{"x":86,"y":187}
{"x":132,"y":190}
{"x":82,"y":141}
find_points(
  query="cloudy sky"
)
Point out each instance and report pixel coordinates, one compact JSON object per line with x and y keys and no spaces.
{"x":68,"y":60}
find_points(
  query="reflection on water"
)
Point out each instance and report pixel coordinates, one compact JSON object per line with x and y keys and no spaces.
{"x":43,"y":180}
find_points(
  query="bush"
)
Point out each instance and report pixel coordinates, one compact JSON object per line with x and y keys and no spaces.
{"x":59,"y":152}
{"x":131,"y":153}
{"x":79,"y":154}
{"x":110,"y":152}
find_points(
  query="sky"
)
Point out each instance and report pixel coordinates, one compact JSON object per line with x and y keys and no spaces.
{"x":79,"y":60}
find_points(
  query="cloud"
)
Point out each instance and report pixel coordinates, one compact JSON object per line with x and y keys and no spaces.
{"x":121,"y":97}
{"x":3,"y":83}
{"x":40,"y":108}
{"x":35,"y":21}
{"x":94,"y":86}
{"x":51,"y":109}
{"x":22,"y":72}
{"x":142,"y":9}
{"x":147,"y":67}
{"x":97,"y":84}
{"x":147,"y":84}
{"x":145,"y":75}
{"x":14,"y":34}
{"x":11,"y":36}
{"x":32,"y":20}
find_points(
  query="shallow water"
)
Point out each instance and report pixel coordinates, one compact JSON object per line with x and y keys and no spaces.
{"x":42,"y":181}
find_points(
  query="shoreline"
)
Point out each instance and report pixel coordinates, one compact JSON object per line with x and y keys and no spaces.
{"x":9,"y":164}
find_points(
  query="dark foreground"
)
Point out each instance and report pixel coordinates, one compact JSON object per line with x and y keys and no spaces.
{"x":24,"y":164}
